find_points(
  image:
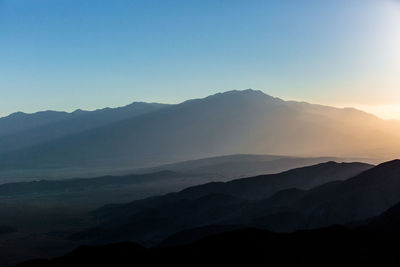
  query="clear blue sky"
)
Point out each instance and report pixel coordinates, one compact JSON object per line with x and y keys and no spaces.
{"x":69,"y":54}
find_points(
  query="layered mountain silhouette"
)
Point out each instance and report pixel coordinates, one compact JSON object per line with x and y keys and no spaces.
{"x":149,"y":182}
{"x":230,"y":222}
{"x":372,"y":244}
{"x":234,"y":122}
{"x":236,"y":202}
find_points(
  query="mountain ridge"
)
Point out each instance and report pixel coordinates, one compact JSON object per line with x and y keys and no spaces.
{"x":234,"y":122}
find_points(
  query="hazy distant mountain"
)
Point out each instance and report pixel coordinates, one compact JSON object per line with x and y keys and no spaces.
{"x":163,"y":179}
{"x":231,"y":167}
{"x":222,"y":168}
{"x":20,"y":130}
{"x":20,"y":121}
{"x":234,"y":122}
{"x":155,"y":218}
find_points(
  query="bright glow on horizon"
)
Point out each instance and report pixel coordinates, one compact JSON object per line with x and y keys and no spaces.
{"x":387,"y":112}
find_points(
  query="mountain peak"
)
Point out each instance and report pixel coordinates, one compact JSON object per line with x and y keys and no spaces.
{"x":244,"y":92}
{"x":79,"y":111}
{"x":247,"y":94}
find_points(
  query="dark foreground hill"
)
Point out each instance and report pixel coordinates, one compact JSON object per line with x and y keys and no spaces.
{"x":336,"y":246}
{"x":153,"y":219}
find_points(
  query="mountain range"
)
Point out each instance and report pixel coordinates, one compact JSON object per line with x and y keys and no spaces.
{"x":20,"y":130}
{"x":306,"y":198}
{"x":146,"y":135}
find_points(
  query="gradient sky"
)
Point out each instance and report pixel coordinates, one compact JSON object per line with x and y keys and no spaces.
{"x":69,"y":54}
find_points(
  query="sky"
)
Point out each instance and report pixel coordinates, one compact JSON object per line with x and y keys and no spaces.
{"x":88,"y":54}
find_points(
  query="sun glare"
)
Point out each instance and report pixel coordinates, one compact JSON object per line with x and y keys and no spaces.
{"x":383,"y":111}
